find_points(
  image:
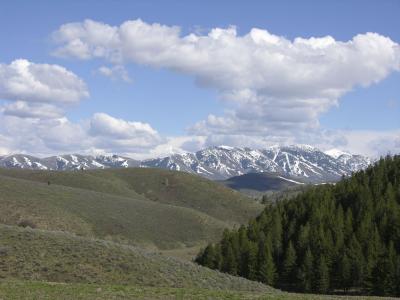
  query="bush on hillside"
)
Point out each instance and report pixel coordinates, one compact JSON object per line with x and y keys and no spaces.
{"x":26,"y":223}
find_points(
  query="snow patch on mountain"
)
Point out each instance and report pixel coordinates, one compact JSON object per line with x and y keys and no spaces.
{"x":336,"y":153}
{"x":303,"y":161}
{"x":218,"y":163}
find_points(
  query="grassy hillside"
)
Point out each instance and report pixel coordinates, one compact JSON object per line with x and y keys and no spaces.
{"x":161,"y":186}
{"x":27,"y":290}
{"x":38,"y":264}
{"x":133,"y":207}
{"x":101,"y":215}
{"x":31,"y":254}
{"x":156,"y":208}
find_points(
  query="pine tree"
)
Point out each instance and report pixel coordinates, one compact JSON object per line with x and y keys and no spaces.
{"x":209,"y":256}
{"x":305,"y":273}
{"x":390,"y":282}
{"x":345,"y":272}
{"x":229,"y":259}
{"x":357,"y":261}
{"x":289,"y":267}
{"x":229,"y":263}
{"x":267,"y":269}
{"x":322,"y":276}
{"x":333,"y":236}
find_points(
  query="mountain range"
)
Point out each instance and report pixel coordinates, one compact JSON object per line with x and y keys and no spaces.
{"x":217,"y":163}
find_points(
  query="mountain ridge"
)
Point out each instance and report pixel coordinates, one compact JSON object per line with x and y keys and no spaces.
{"x":302,"y":161}
{"x":216,"y":163}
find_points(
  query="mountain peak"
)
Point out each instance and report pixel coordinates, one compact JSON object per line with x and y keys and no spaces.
{"x":220,"y":162}
{"x":336,"y":153}
{"x":302,"y":161}
{"x":224,"y":147}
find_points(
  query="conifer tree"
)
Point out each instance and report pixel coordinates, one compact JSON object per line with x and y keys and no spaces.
{"x":229,"y":263}
{"x":322,"y":276}
{"x":305,"y":273}
{"x":344,"y":236}
{"x":345,"y":272}
{"x":266,"y":269}
{"x":289,"y":267}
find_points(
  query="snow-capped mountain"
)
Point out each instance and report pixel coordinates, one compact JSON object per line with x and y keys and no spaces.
{"x":301,"y":161}
{"x":217,"y":163}
{"x":67,"y":162}
{"x":20,"y":161}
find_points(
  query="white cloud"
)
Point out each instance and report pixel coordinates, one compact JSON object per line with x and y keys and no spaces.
{"x":31,"y":82}
{"x":105,"y":134}
{"x":117,"y":135}
{"x":272,"y":85}
{"x":115,"y":73}
{"x":372,"y":143}
{"x":39,"y":91}
{"x":100,"y":134}
{"x":32,"y":110}
{"x":105,"y":125}
{"x":33,"y":118}
{"x":274,"y":89}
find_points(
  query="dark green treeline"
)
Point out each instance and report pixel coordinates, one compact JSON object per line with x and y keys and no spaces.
{"x":330,"y":238}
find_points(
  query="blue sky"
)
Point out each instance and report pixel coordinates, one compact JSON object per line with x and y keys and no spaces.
{"x":170,"y":99}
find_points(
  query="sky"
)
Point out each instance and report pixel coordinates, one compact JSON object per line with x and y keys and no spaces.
{"x":151,"y":78}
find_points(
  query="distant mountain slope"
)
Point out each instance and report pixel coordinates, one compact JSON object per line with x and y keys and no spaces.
{"x":303,"y":161}
{"x":217,"y":163}
{"x":153,"y":207}
{"x":66,"y":162}
{"x":61,"y":257}
{"x":260,"y":183}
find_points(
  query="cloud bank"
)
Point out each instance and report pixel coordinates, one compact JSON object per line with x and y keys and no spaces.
{"x":271,"y":85}
{"x":274,"y":89}
{"x":33,"y":117}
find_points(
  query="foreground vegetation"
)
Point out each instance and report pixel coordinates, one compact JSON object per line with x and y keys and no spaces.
{"x":329,"y":238}
{"x":72,"y":235}
{"x":24,"y":290}
{"x":31,"y":254}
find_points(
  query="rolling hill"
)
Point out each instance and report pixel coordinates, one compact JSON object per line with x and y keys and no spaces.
{"x":151,"y":207}
{"x":27,"y":254}
{"x":87,"y":224}
{"x":39,"y":264}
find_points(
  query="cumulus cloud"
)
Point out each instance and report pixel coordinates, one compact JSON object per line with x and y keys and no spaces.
{"x":111,"y":133}
{"x":115,"y":73}
{"x":23,"y":109}
{"x":31,"y":82}
{"x":373,"y":143}
{"x":99,"y":134}
{"x":33,"y":118}
{"x":105,"y":134}
{"x":274,"y":89}
{"x":38,"y":90}
{"x":271,"y":85}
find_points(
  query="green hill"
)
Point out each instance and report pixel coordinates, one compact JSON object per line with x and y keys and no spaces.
{"x":152,"y":207}
{"x":27,"y":290}
{"x":343,"y":237}
{"x":38,"y":264}
{"x":69,"y":261}
{"x":32,"y":254}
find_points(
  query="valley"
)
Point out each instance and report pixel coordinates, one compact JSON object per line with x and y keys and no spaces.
{"x":130,"y":232}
